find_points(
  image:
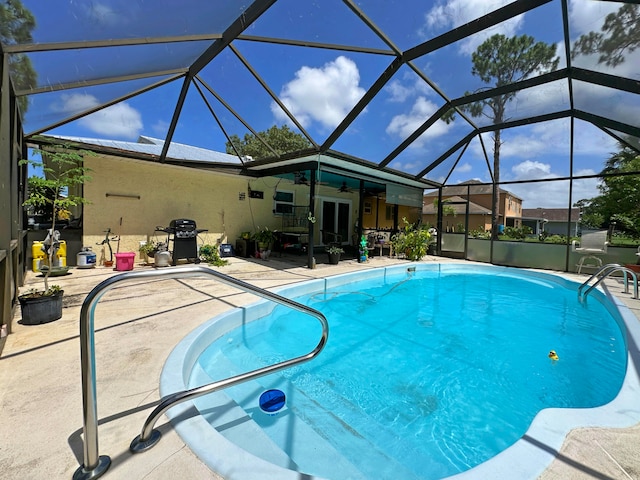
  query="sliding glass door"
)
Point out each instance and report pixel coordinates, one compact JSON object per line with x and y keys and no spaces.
{"x":336,"y":218}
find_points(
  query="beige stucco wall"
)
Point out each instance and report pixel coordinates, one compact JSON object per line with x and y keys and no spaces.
{"x":132,"y":197}
{"x":169,"y":192}
{"x":378,"y":208}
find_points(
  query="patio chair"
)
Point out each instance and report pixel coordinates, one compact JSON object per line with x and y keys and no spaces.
{"x":592,"y":244}
{"x":331,"y":238}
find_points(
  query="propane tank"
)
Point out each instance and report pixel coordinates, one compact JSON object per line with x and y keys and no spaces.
{"x":86,"y":258}
{"x":162,"y":259}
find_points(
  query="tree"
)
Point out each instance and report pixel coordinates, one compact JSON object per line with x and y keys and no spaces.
{"x":620,"y":32}
{"x":500,"y":61}
{"x":16,"y":24}
{"x":64,"y":174}
{"x":619,"y":199}
{"x":274,"y":141}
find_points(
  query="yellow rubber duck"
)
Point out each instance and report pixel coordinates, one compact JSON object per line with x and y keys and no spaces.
{"x":553,"y":355}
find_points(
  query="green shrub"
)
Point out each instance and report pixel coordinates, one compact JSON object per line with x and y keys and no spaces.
{"x":211,"y":255}
{"x":517,"y":233}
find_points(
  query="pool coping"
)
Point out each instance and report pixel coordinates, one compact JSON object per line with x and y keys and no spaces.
{"x":527,"y":458}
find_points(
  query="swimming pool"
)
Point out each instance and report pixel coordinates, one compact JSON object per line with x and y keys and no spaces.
{"x":400,"y":419}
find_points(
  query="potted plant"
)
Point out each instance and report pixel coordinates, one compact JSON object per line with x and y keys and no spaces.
{"x":334,"y":254}
{"x":412,"y":240}
{"x":63,"y":173}
{"x":264,"y":238}
{"x":151,"y":248}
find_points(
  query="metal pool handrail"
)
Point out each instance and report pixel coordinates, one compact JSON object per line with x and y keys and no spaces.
{"x":96,"y":465}
{"x":606,"y":270}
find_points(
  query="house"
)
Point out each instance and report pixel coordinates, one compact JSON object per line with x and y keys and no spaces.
{"x":132,"y":197}
{"x":554,"y":221}
{"x":453,"y":216}
{"x":479,"y":196}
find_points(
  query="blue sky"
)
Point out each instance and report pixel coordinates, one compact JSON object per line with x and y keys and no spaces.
{"x":321,"y":86}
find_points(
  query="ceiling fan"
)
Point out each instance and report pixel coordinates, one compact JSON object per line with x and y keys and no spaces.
{"x":344,"y":188}
{"x":300,"y":179}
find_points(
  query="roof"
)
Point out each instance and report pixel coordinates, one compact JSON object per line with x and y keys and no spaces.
{"x":551,"y":214}
{"x":459,"y":206}
{"x":153,"y":146}
{"x":473,"y":187}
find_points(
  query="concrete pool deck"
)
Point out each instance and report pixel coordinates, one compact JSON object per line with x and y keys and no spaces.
{"x":137,"y":325}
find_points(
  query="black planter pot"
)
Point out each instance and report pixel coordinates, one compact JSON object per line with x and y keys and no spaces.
{"x":334,"y":258}
{"x":43,"y":309}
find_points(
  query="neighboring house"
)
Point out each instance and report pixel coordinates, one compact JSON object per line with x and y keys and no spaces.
{"x":480,"y":201}
{"x":479,"y":216}
{"x":131,"y":194}
{"x":554,"y":221}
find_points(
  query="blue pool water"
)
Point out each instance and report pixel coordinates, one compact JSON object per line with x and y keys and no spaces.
{"x":426,"y":374}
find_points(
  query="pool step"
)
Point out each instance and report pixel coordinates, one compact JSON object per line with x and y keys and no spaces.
{"x":318,"y":406}
{"x":254,"y":430}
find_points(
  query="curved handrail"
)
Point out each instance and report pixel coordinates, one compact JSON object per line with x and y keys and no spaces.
{"x":597,"y":274}
{"x":606,"y":270}
{"x":95,"y":465}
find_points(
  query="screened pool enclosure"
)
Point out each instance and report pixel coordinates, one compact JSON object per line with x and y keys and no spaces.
{"x":529,"y":97}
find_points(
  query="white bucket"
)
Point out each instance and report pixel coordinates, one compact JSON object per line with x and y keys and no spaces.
{"x":86,"y":258}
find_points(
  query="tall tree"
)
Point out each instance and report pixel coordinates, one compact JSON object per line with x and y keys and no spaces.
{"x":16,"y":24}
{"x":620,"y":33}
{"x":274,"y":141}
{"x":500,"y":61}
{"x":619,"y":198}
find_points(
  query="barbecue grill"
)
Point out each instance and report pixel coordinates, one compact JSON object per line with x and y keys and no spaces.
{"x":184,"y":235}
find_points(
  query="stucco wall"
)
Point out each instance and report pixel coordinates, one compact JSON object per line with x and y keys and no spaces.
{"x":169,"y":192}
{"x":379,"y":208}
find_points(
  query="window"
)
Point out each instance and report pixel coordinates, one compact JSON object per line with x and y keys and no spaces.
{"x":389,"y":212}
{"x":283,"y":202}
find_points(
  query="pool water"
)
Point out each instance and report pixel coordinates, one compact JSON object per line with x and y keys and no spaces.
{"x":426,"y":374}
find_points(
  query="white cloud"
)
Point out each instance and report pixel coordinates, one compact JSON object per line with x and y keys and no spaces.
{"x":585,"y":17}
{"x":588,"y":16}
{"x":412,"y":167}
{"x":410,"y":85}
{"x":551,"y":139}
{"x":463,"y":168}
{"x":404,"y":125}
{"x":553,"y":194}
{"x":324,"y":95}
{"x":161,"y":127}
{"x":531,"y":169}
{"x":120,"y":120}
{"x":549,"y":194}
{"x":102,"y":15}
{"x":398,"y":92}
{"x":454,"y":13}
{"x":75,"y":103}
{"x":544,"y":148}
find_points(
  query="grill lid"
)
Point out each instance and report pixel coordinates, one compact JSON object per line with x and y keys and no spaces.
{"x":183,"y":224}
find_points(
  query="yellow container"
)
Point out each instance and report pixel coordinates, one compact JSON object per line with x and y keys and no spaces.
{"x":39,"y":256}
